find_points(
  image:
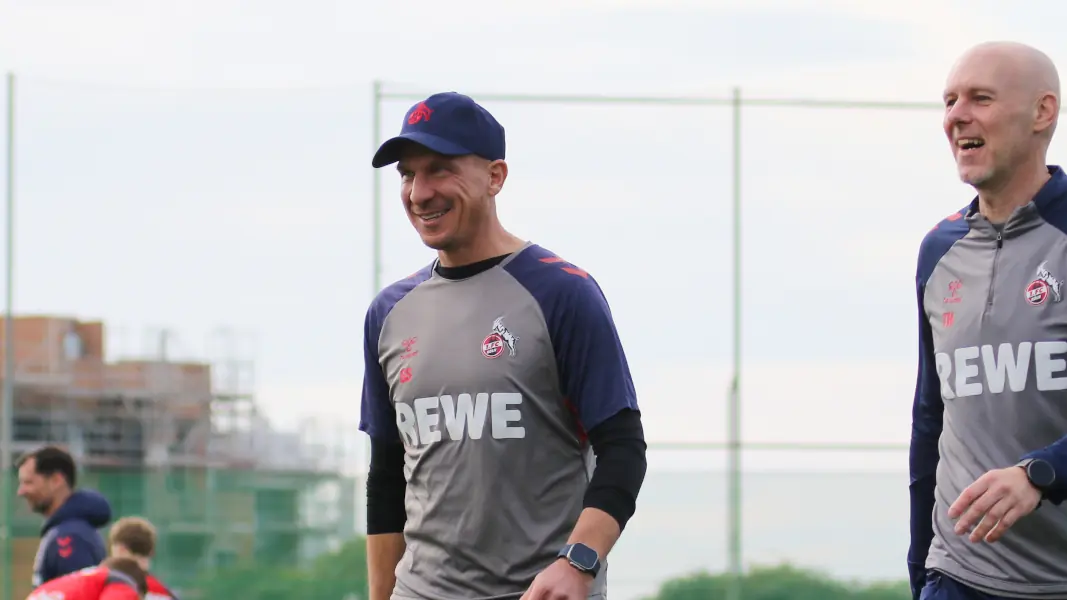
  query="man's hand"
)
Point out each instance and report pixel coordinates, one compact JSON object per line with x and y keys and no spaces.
{"x":560,"y":581}
{"x":993,"y":503}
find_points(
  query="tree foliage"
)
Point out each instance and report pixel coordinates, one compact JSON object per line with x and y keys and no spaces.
{"x":340,"y":575}
{"x":783,"y":582}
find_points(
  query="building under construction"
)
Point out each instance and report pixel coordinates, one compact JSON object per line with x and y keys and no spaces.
{"x":180,"y":443}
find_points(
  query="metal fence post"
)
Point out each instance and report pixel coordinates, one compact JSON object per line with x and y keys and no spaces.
{"x":376,"y":125}
{"x":7,"y":438}
{"x":376,"y":272}
{"x":734,"y":525}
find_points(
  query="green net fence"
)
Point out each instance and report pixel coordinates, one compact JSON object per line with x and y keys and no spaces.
{"x":213,"y":521}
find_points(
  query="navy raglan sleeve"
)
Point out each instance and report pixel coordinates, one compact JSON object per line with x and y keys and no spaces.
{"x":69,"y":551}
{"x":594,"y":373}
{"x":377,"y":417}
{"x":927,"y":412}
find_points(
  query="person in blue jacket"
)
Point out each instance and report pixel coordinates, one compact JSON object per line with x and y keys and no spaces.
{"x":70,"y":540}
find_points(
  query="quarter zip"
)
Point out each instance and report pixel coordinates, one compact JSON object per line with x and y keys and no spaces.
{"x":993,"y":276}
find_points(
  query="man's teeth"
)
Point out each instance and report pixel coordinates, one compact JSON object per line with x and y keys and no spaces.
{"x":432,"y":216}
{"x":968,"y":143}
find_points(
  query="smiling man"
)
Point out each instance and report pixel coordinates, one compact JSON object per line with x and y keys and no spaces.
{"x":493,"y":377}
{"x":70,"y":540}
{"x":988,"y":446}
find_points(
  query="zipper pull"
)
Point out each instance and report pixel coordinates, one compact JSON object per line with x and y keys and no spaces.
{"x":1000,"y":240}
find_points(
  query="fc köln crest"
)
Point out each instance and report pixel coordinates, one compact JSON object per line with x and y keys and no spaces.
{"x":1044,"y":286}
{"x":501,"y":338}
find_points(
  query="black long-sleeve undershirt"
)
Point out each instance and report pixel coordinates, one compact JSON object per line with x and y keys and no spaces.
{"x":618,"y":443}
{"x":386,"y":486}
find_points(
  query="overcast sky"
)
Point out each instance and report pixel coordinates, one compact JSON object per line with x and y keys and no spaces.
{"x":199,"y":165}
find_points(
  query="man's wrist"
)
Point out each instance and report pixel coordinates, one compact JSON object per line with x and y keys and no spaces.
{"x":581,"y":558}
{"x":1027,"y":477}
{"x":1040,"y":474}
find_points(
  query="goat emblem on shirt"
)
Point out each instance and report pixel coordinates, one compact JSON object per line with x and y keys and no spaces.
{"x":1055,"y":284}
{"x":508,"y":337}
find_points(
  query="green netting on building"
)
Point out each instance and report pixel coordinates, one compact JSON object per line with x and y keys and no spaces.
{"x":212,"y":518}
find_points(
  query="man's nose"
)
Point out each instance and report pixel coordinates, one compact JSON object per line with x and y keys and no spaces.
{"x":421,"y":191}
{"x":958,"y":113}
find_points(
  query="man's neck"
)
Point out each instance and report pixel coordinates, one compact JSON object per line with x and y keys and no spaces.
{"x":999,"y":203}
{"x":497,"y":243}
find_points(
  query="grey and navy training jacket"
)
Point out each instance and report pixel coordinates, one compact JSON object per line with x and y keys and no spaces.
{"x":992,"y":390}
{"x":494,"y":384}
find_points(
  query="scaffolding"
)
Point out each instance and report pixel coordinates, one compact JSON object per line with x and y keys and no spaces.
{"x":181,"y":443}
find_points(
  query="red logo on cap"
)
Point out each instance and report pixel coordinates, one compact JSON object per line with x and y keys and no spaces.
{"x":421,"y":113}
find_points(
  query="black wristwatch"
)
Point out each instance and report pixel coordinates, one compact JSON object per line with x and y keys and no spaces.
{"x":1041,"y":473}
{"x":581,"y":557}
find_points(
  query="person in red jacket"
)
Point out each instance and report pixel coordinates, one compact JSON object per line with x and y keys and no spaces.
{"x":135,"y":538}
{"x":113,"y":579}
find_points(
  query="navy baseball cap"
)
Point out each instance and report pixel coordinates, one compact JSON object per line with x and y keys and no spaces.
{"x":447,"y":123}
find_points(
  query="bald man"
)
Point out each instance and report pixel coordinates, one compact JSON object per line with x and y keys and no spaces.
{"x":988,"y":446}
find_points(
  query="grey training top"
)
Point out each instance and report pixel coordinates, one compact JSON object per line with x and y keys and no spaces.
{"x":491,"y":383}
{"x":992,"y":389}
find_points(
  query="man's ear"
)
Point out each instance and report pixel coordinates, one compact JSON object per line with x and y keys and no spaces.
{"x":1046,"y":113}
{"x":498,"y":173}
{"x":57,"y":480}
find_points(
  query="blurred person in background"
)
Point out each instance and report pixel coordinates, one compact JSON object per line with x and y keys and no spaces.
{"x":69,"y":537}
{"x":135,"y":538}
{"x":988,"y":446}
{"x":493,"y":376}
{"x":114,"y":579}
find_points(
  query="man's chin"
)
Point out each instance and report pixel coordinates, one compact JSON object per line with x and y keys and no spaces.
{"x":436,"y":242}
{"x":975,"y":178}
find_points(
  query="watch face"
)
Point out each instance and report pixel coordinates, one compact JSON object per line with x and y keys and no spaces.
{"x":1041,"y":473}
{"x":583,"y":556}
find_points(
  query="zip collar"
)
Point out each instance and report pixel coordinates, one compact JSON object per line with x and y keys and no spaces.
{"x":1025,"y":217}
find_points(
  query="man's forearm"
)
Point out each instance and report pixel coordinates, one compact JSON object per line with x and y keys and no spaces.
{"x":384,"y":551}
{"x":922,"y":530}
{"x":596,"y":529}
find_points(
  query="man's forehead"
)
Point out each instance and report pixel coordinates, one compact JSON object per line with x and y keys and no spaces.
{"x":426,"y":158}
{"x":415,"y":155}
{"x":983,"y":70}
